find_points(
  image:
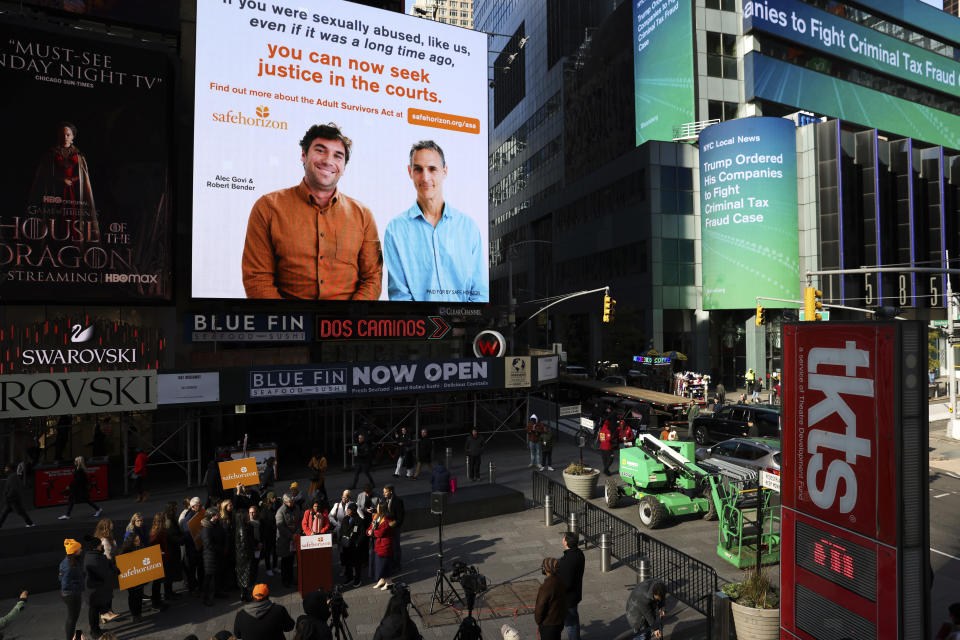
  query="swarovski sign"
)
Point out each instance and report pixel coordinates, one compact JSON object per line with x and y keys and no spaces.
{"x":54,"y":394}
{"x":111,"y":355}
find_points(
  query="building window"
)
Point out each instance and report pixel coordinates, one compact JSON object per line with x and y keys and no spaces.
{"x":509,"y":78}
{"x":722,"y":5}
{"x":719,"y":110}
{"x":721,"y":55}
{"x":678,"y":262}
{"x":676,"y":190}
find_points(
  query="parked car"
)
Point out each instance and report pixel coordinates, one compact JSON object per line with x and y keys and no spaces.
{"x":577,"y":372}
{"x":762,"y":454}
{"x":620,"y":381}
{"x":731,"y":421}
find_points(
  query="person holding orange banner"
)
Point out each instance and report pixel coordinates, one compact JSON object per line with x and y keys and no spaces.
{"x":134,"y":594}
{"x":432,"y":251}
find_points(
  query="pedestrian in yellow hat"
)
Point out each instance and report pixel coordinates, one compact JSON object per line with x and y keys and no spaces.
{"x":71,"y":584}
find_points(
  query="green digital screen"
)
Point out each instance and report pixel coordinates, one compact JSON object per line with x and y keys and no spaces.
{"x":811,"y":27}
{"x":748,"y":213}
{"x":662,"y":67}
{"x":787,"y":84}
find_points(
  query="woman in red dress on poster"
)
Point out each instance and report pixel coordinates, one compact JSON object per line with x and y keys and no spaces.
{"x":63,"y":177}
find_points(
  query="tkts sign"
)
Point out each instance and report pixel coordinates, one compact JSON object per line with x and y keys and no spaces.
{"x":854,"y":524}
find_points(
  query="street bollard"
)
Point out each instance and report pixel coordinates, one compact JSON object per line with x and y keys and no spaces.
{"x":449,"y":456}
{"x":547,"y":511}
{"x":605,"y":552}
{"x":644,"y":573}
{"x":492,"y":473}
{"x":721,"y":615}
{"x":573,"y":523}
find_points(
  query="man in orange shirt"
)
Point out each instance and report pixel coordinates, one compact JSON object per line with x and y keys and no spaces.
{"x":311,"y":241}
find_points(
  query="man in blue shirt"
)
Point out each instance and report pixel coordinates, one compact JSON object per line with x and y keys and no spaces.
{"x":431,"y":250}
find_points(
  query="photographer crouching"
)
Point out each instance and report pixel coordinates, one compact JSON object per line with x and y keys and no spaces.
{"x":397,"y":623}
{"x":645,"y":609}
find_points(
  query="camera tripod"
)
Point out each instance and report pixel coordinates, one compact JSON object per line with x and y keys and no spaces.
{"x":443,"y":589}
{"x":469,"y":628}
{"x":340,"y":630}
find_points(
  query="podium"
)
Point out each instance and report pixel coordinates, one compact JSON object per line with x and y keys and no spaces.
{"x":315,"y":563}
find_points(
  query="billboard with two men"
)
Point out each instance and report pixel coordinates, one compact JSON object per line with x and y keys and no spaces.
{"x":340,"y":154}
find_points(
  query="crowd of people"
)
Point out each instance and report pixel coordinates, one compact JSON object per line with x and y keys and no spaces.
{"x":245,"y":534}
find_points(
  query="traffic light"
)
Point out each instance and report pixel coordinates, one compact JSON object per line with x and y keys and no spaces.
{"x":609,"y":306}
{"x":812,"y":303}
{"x":761,"y":315}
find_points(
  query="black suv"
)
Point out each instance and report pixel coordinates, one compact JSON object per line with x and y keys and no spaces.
{"x":731,"y":422}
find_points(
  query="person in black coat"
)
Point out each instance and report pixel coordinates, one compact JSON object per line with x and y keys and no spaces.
{"x":12,"y":500}
{"x":362,"y":460}
{"x":424,"y":453}
{"x":214,"y":539}
{"x":268,"y":531}
{"x":80,"y":489}
{"x":213,"y":483}
{"x":405,"y":457}
{"x":396,"y":623}
{"x":570,"y":571}
{"x":314,"y":624}
{"x":645,"y":608}
{"x":396,"y":511}
{"x":262,"y":619}
{"x":473,"y":447}
{"x":351,"y":535}
{"x":440,"y":478}
{"x":100,"y":577}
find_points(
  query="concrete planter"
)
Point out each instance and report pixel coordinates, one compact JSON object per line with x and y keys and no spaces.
{"x":756,"y":624}
{"x":583,"y":485}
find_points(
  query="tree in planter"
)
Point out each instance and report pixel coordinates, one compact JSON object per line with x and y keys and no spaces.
{"x":755,"y":604}
{"x":755,"y":592}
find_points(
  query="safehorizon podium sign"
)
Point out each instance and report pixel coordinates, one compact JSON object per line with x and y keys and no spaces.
{"x":855,"y":525}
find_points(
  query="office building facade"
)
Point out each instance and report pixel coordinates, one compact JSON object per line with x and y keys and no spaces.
{"x":574,"y":202}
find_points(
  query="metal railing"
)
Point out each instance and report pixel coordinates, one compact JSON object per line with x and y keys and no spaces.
{"x":689,"y":580}
{"x":691,"y":130}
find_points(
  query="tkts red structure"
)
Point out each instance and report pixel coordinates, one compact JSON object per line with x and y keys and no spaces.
{"x":854,"y":559}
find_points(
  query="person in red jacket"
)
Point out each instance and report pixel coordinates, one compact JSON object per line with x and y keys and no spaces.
{"x":139,"y":473}
{"x":608,"y":444}
{"x":382,"y":533}
{"x":316,"y":520}
{"x":626,"y":434}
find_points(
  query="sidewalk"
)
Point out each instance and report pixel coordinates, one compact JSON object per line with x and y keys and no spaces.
{"x":505,"y":550}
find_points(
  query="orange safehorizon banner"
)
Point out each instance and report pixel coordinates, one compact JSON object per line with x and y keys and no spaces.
{"x":236,"y":472}
{"x":141,"y":566}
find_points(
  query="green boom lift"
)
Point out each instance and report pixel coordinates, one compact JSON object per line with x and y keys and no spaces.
{"x":661,"y":476}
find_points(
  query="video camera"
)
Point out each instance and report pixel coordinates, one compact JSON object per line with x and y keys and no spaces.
{"x":472,"y":581}
{"x":402,"y":591}
{"x":338,"y":606}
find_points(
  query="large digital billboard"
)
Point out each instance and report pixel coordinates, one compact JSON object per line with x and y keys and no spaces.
{"x":789,"y":84}
{"x":801,"y":23}
{"x":662,"y":67}
{"x":86,"y":212}
{"x":340,"y":154}
{"x":748,"y":213}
